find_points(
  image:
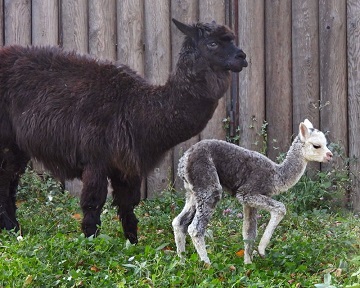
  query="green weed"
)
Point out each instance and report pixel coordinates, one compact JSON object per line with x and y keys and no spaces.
{"x":54,"y":253}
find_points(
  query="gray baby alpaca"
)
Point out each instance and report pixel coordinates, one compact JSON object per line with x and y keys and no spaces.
{"x":252,"y":178}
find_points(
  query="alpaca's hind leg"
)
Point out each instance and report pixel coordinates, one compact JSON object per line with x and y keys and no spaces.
{"x":182,"y":221}
{"x":205,"y":206}
{"x":249,"y":232}
{"x":126,"y":193}
{"x":93,"y":197}
{"x":12,"y":165}
{"x":277,"y":212}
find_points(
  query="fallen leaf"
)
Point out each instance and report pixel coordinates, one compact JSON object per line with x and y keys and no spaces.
{"x":28,"y":280}
{"x":94,"y":268}
{"x":76,"y":216}
{"x":338,"y":272}
{"x":240,"y":253}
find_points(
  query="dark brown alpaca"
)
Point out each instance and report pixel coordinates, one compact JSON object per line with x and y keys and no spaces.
{"x":92,"y":120}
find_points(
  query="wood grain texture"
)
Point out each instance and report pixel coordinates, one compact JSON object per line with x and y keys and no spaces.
{"x":305,"y":58}
{"x":102,"y":25}
{"x":17,"y":22}
{"x":333,"y":83}
{"x":353,"y":56}
{"x":157,"y":69}
{"x":45,"y":28}
{"x":278,"y":76}
{"x":305,"y":66}
{"x":130,"y":34}
{"x":208,"y":11}
{"x":74,"y":25}
{"x":185,"y":11}
{"x":252,"y":79}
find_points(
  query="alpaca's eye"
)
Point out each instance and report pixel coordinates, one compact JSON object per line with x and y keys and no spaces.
{"x":212,"y":45}
{"x":316,"y":146}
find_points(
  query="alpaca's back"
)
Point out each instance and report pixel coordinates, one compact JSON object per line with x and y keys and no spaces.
{"x":235,"y":166}
{"x":64,"y":100}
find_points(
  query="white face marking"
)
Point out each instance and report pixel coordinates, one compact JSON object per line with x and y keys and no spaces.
{"x":315,"y":148}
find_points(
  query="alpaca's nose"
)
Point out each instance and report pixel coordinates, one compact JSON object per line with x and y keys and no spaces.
{"x":240,"y":54}
{"x":329,"y":155}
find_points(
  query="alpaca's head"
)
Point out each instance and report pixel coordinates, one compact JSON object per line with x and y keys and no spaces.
{"x":215,"y":44}
{"x":314,"y":143}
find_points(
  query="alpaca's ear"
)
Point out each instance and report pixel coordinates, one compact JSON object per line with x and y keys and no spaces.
{"x":303,"y":132}
{"x":308,"y":123}
{"x":188,"y":30}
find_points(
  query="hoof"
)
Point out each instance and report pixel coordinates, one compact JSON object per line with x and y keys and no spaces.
{"x":132,"y":238}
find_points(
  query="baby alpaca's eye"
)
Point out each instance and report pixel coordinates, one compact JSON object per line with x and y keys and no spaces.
{"x":316,"y":146}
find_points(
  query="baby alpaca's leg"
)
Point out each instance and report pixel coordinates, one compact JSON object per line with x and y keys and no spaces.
{"x":205,"y":205}
{"x":182,"y":221}
{"x":249,"y":232}
{"x":277,"y":211}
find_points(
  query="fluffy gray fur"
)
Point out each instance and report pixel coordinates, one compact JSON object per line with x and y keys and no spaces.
{"x":210,"y":165}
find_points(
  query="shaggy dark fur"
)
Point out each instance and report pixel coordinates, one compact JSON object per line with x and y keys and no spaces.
{"x":92,"y":120}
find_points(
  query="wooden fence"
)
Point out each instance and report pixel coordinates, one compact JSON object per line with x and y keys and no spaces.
{"x":304,"y":62}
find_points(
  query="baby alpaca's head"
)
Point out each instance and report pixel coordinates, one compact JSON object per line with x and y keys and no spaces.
{"x":315,"y":143}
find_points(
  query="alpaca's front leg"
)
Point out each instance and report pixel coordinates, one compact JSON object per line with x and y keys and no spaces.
{"x":126,"y":194}
{"x":249,"y":232}
{"x":277,"y":211}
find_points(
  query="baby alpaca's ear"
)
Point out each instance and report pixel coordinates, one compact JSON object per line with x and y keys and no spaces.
{"x":303,"y":131}
{"x":308,"y":123}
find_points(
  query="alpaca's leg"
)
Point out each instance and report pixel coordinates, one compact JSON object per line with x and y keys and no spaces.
{"x":126,"y":193}
{"x":249,"y":232}
{"x":12,"y":165}
{"x":182,"y":221}
{"x":93,"y":197}
{"x":277,"y":212}
{"x":205,"y":206}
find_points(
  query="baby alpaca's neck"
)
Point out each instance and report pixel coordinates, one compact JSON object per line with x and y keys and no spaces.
{"x":292,"y":168}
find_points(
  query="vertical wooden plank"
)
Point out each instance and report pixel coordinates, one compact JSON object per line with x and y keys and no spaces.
{"x":185,"y":11}
{"x":333,"y":85}
{"x":74,"y":25}
{"x":45,"y":30}
{"x":353,"y":53}
{"x":45,"y":22}
{"x":17,"y":22}
{"x":208,"y":11}
{"x":305,"y":57}
{"x":252,"y":79}
{"x":157,"y":68}
{"x":305,"y":67}
{"x":74,"y":36}
{"x":130,"y":41}
{"x":102,"y":23}
{"x":278,"y":76}
{"x":130,"y":34}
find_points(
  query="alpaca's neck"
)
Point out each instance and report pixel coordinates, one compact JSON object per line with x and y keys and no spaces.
{"x":293,"y":167}
{"x":184,"y":105}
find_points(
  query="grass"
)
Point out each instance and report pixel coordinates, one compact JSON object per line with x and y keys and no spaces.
{"x":309,"y":246}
